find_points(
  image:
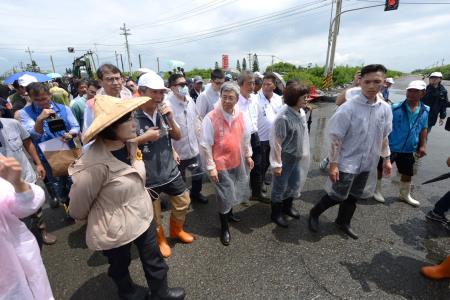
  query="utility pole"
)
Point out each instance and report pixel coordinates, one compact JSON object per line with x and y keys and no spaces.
{"x":29,"y":53}
{"x":337,"y":22}
{"x":53,"y":65}
{"x":121,"y":61}
{"x":126,"y":33}
{"x":117,"y":58}
{"x":273,"y":56}
{"x":96,"y":56}
{"x":250,"y":61}
{"x":157,"y":62}
{"x":140,"y":63}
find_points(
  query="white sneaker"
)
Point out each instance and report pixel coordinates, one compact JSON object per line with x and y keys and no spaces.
{"x":324,"y":164}
{"x":405,"y":194}
{"x":377,"y":195}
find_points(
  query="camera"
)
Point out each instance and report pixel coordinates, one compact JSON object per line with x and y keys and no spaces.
{"x":55,"y":124}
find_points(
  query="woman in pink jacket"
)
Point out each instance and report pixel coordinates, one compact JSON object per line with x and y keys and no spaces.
{"x":22,"y":275}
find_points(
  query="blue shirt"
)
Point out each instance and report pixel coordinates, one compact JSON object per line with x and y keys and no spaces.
{"x":407,"y":126}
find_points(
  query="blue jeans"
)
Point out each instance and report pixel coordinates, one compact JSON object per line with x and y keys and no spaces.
{"x":288,"y":183}
{"x":57,"y":186}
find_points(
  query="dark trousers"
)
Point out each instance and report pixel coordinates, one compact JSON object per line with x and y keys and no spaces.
{"x":261,"y":165}
{"x":255,"y":176}
{"x":34,"y":224}
{"x":155,"y":268}
{"x":194,"y":166}
{"x":443,"y":205}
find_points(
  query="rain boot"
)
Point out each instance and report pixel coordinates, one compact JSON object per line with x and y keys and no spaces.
{"x":345,"y":215}
{"x":405,"y":194}
{"x":163,"y":292}
{"x":164,"y":247}
{"x":377,"y":195}
{"x":289,"y":210}
{"x":325,"y":203}
{"x":441,"y":271}
{"x":177,"y":231}
{"x":277,"y":215}
{"x":225,"y":236}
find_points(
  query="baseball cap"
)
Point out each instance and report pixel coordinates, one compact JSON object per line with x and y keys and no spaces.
{"x":152,"y":81}
{"x":390,"y":80}
{"x":417,"y":85}
{"x":26,"y":79}
{"x":198,"y":79}
{"x":436,"y":74}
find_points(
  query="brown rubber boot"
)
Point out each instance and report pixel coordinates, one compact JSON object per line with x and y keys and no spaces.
{"x":177,"y":231}
{"x":441,"y":271}
{"x":164,"y":247}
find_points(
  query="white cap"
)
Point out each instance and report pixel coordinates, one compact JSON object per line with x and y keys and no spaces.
{"x":436,"y":74}
{"x":259,"y":75}
{"x":390,"y":80}
{"x":144,"y":70}
{"x":152,"y":81}
{"x":26,"y":79}
{"x":417,"y":85}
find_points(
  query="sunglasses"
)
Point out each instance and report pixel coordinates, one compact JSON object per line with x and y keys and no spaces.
{"x":182,"y":84}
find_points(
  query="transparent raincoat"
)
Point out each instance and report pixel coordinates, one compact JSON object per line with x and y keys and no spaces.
{"x":225,"y":144}
{"x":357,"y":132}
{"x":22,"y":274}
{"x":289,"y":143}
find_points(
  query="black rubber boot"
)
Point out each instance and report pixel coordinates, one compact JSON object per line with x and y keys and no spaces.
{"x":325,"y":203}
{"x":232,"y":217}
{"x":225,"y":236}
{"x":277,"y":215}
{"x":166,"y":293}
{"x":128,"y":290}
{"x":345,"y":215}
{"x":289,"y":210}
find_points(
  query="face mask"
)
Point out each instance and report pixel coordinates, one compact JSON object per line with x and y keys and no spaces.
{"x":183,"y":90}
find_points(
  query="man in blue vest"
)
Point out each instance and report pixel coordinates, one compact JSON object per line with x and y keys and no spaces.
{"x":35,"y":118}
{"x":409,"y":135}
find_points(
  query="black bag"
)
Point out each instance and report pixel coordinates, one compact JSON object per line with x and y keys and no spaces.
{"x":447,"y":124}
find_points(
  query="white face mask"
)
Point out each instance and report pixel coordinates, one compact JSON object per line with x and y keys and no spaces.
{"x":183,"y":90}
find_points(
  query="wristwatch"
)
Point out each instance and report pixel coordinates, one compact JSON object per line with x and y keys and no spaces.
{"x":387,"y":158}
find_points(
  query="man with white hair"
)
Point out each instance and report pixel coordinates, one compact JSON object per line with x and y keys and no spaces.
{"x":436,"y":97}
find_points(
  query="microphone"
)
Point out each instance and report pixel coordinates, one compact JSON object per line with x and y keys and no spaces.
{"x":165,"y":119}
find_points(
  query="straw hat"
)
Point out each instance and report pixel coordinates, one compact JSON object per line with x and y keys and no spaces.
{"x":109,"y":109}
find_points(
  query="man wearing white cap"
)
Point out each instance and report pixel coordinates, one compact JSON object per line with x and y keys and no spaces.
{"x":407,"y":140}
{"x":436,"y":98}
{"x":20,"y":98}
{"x":385,"y":91}
{"x":156,"y":130}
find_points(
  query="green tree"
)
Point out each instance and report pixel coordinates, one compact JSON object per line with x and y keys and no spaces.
{"x":255,"y":67}
{"x":244,"y":65}
{"x":238,"y":66}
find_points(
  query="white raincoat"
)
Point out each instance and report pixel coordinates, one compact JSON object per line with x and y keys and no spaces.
{"x":22,"y":274}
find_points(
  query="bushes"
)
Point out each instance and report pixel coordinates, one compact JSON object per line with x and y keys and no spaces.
{"x":445,"y":70}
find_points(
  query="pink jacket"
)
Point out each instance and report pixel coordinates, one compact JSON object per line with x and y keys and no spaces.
{"x":22,"y":274}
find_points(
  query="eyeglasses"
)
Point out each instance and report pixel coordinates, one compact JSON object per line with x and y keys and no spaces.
{"x":182,"y":84}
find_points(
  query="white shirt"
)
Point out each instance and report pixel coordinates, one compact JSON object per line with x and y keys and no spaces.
{"x":250,"y":108}
{"x":206,"y":102}
{"x":359,"y":127}
{"x":267,"y":112}
{"x":185,"y":116}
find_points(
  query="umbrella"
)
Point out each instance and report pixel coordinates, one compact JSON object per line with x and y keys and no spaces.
{"x":39,"y":77}
{"x":439,"y":178}
{"x":54,"y":75}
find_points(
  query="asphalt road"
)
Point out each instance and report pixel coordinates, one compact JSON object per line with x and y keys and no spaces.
{"x":268,"y":262}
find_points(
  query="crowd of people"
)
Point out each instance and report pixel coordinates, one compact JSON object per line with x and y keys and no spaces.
{"x":142,"y":138}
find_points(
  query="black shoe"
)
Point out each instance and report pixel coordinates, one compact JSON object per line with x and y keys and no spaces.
{"x":53,"y":202}
{"x":289,"y":210}
{"x":431,"y":215}
{"x":347,"y":230}
{"x":233,"y":218}
{"x":261,"y":199}
{"x":315,"y":212}
{"x":277,"y":215}
{"x":225,"y":236}
{"x":199,"y":198}
{"x":166,"y":293}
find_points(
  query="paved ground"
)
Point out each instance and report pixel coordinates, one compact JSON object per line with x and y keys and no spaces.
{"x":267,"y":262}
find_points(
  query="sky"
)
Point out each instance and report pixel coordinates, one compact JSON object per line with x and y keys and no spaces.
{"x":198,"y":32}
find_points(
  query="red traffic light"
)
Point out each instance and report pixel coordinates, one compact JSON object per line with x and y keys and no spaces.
{"x":391,"y":5}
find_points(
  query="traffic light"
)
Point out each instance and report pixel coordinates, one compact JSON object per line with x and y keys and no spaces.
{"x":391,"y":5}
